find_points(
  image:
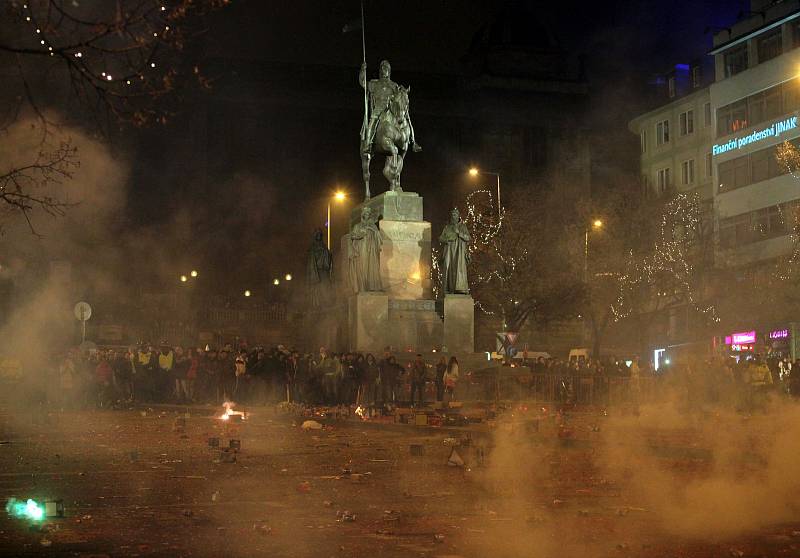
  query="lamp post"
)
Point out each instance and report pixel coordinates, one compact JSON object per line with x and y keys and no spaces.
{"x":338,"y":196}
{"x":474,"y":171}
{"x":597,"y":224}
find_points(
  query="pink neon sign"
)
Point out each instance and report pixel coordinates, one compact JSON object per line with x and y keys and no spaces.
{"x":779,"y":334}
{"x":744,"y":337}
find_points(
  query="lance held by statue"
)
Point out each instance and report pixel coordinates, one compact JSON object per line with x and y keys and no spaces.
{"x":387,"y":128}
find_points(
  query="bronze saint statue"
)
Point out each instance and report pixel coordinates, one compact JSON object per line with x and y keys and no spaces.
{"x":455,"y":255}
{"x":365,"y":254}
{"x":387,"y":129}
{"x":319,"y":265}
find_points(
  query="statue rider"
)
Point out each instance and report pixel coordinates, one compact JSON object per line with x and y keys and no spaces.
{"x":380,"y":93}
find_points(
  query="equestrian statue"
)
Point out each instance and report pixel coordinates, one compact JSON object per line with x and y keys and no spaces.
{"x":387,"y":128}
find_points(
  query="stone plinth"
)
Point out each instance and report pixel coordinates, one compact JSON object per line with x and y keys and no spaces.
{"x":401,"y":206}
{"x":414,"y":325}
{"x":368,"y":319}
{"x":459,"y":323}
{"x":406,"y":259}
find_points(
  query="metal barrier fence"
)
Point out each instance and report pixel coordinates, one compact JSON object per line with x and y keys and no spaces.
{"x":552,"y":388}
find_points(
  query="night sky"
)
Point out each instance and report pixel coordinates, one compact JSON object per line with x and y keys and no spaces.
{"x":238,"y":180}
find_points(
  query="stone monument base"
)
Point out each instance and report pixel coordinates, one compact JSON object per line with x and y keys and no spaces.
{"x":368,"y":318}
{"x":459,"y":323}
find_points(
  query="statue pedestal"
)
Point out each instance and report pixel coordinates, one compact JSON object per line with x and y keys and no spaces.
{"x":459,"y":323}
{"x":404,"y":315}
{"x":368,"y":319}
{"x":392,"y":206}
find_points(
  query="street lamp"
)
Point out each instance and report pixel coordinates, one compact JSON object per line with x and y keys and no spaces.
{"x":276,"y":281}
{"x":288,"y":277}
{"x":475,"y":171}
{"x":339,"y":196}
{"x":184,"y":278}
{"x":597,"y":224}
{"x":247,"y":293}
{"x":193,"y":273}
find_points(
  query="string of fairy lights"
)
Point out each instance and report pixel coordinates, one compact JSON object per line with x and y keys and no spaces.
{"x":669,"y":259}
{"x":82,"y":58}
{"x":484,"y":219}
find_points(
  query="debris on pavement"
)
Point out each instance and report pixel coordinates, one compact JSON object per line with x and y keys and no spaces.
{"x":311,"y":425}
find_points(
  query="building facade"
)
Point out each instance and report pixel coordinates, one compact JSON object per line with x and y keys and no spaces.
{"x":755,"y":97}
{"x":675,"y":139}
{"x":748,"y":109}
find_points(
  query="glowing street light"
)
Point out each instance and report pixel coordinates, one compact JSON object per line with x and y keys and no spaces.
{"x":247,"y":293}
{"x":184,"y":278}
{"x":288,"y":277}
{"x":597,"y":224}
{"x":475,"y":171}
{"x":276,"y":281}
{"x":193,"y":273}
{"x":339,"y":196}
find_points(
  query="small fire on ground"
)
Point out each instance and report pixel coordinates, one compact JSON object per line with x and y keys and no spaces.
{"x":229,"y":412}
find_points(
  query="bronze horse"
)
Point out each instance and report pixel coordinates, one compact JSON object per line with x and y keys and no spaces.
{"x":391,"y":137}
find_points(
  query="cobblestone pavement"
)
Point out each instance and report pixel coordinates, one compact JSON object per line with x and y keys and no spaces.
{"x":146,"y":483}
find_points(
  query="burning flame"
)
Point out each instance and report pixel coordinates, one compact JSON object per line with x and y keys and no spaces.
{"x":360,"y":412}
{"x":229,"y":412}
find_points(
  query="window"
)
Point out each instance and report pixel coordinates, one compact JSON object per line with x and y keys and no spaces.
{"x":686,"y":122}
{"x":769,"y":45}
{"x":759,"y":165}
{"x":757,"y":107}
{"x":707,"y":114}
{"x":697,"y":77}
{"x":762,"y":224}
{"x":732,"y":118}
{"x":735,"y":60}
{"x":662,"y":132}
{"x":662,"y":180}
{"x":760,"y":107}
{"x":645,"y":186}
{"x":643,"y":140}
{"x":709,"y":165}
{"x":749,"y":169}
{"x":777,"y":219}
{"x":687,"y":172}
{"x":671,"y":86}
{"x":791,"y":95}
{"x":734,"y":174}
{"x":772,"y":103}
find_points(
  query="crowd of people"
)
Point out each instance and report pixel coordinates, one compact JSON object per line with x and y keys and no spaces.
{"x":174,"y":374}
{"x":145,"y":373}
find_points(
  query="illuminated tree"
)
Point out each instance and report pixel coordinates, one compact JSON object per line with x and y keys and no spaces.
{"x":522,"y":265}
{"x":115,"y":63}
{"x":666,"y":264}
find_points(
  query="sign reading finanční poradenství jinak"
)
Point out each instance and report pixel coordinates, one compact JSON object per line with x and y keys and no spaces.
{"x":774,"y":130}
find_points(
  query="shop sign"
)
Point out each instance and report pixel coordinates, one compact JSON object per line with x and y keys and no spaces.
{"x":779,"y":334}
{"x":774,"y":130}
{"x":743,"y":337}
{"x":741,"y":347}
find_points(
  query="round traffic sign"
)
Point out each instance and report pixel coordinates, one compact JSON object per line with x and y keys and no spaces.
{"x":83,"y":311}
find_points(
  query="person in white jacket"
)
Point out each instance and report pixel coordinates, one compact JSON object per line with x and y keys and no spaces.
{"x":450,"y":379}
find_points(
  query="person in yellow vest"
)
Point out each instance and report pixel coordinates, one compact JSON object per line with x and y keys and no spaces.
{"x":166,"y":362}
{"x":759,"y":381}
